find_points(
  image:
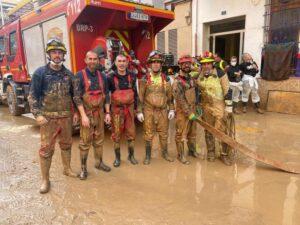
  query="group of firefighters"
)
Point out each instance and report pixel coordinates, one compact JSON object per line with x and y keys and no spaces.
{"x":58,"y":99}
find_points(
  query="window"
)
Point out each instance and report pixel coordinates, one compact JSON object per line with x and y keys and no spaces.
{"x":173,"y":43}
{"x":2,"y":45}
{"x":161,"y":41}
{"x":13,"y":43}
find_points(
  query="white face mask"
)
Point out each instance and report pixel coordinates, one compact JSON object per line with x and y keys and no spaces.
{"x":233,"y":63}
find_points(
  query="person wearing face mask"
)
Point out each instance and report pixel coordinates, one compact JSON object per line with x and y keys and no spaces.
{"x":184,"y":91}
{"x":250,"y":85}
{"x":235,"y":80}
{"x":156,"y":105}
{"x":216,"y":104}
{"x":52,"y":92}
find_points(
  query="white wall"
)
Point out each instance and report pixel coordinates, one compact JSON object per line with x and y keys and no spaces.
{"x":210,"y":11}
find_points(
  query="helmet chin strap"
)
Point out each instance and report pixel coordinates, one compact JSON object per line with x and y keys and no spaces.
{"x":54,"y":63}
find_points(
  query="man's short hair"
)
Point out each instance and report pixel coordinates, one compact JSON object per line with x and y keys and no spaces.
{"x":120,"y":56}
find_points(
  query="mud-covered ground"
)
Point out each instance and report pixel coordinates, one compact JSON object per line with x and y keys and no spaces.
{"x":161,"y":193}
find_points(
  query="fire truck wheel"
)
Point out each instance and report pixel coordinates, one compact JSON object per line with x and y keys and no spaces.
{"x":12,"y":102}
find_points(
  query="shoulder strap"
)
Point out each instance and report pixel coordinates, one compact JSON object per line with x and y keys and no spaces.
{"x":100,"y":80}
{"x":85,"y":80}
{"x":116,"y":81}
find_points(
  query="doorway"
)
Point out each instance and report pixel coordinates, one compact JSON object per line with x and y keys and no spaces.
{"x":228,"y":45}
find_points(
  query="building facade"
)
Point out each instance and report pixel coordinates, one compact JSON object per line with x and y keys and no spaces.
{"x":176,"y":37}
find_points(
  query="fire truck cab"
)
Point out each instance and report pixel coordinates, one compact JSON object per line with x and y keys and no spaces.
{"x":114,"y":26}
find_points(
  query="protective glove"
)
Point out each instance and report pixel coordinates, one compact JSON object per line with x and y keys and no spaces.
{"x":192,"y":117}
{"x":228,"y":106}
{"x":140,"y":117}
{"x":171,"y":114}
{"x":199,"y":111}
{"x":41,"y":120}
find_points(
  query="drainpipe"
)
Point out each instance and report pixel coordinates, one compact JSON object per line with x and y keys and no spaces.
{"x":2,"y":14}
{"x":196,"y":30}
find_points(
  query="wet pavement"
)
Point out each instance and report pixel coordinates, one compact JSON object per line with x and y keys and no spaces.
{"x":161,"y":193}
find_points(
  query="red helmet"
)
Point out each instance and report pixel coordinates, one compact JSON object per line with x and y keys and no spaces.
{"x":185,"y":58}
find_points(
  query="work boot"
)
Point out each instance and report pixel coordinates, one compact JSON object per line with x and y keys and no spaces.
{"x":45,"y":168}
{"x":83,"y":159}
{"x":244,"y":107}
{"x":211,"y":156}
{"x":99,"y":164}
{"x":192,"y":150}
{"x":148,"y":153}
{"x":166,"y":156}
{"x":235,"y":108}
{"x":226,"y":160}
{"x":66,"y":160}
{"x":258,"y":109}
{"x":181,"y":153}
{"x":131,"y":153}
{"x":117,"y":161}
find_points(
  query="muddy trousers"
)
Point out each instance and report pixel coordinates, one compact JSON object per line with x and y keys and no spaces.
{"x":60,"y":128}
{"x":123,"y":123}
{"x":220,"y":124}
{"x":185,"y":131}
{"x":156,"y":120}
{"x":92,"y":136}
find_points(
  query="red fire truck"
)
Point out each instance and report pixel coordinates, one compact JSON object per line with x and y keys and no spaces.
{"x":82,"y":25}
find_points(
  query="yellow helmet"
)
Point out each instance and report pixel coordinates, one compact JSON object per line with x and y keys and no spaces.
{"x":207,"y":57}
{"x":55,"y":44}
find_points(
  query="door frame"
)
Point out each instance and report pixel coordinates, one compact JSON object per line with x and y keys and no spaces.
{"x":242,"y":35}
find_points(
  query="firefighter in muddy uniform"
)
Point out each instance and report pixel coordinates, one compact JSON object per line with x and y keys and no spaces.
{"x":94,"y":97}
{"x":184,"y":90}
{"x":216,"y":102}
{"x":156,"y":106}
{"x":50,"y":99}
{"x":122,"y":85}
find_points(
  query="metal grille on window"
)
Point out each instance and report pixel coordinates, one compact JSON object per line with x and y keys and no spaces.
{"x":282,"y":24}
{"x":173,"y":43}
{"x":161,"y":41}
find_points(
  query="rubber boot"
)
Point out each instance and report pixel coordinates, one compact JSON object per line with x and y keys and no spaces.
{"x":99,"y":164}
{"x":83,"y":159}
{"x":131,"y":153}
{"x":181,"y":153}
{"x":166,"y":156}
{"x":117,"y":161}
{"x":45,"y":168}
{"x":225,"y":158}
{"x":210,"y":143}
{"x":66,"y":160}
{"x":192,"y":150}
{"x":235,"y":108}
{"x":258,"y":109}
{"x":148,"y":153}
{"x":244,"y":107}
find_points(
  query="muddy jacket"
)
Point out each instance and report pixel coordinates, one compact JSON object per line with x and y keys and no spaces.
{"x":93,"y":89}
{"x":52,"y":91}
{"x":123,"y":89}
{"x":221,"y":65}
{"x":155,"y":95}
{"x":185,"y":94}
{"x":214,"y":91}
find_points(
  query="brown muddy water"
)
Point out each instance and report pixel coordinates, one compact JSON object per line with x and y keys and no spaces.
{"x":161,"y":193}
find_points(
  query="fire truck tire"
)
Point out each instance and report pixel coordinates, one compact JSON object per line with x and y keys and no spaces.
{"x":12,"y":102}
